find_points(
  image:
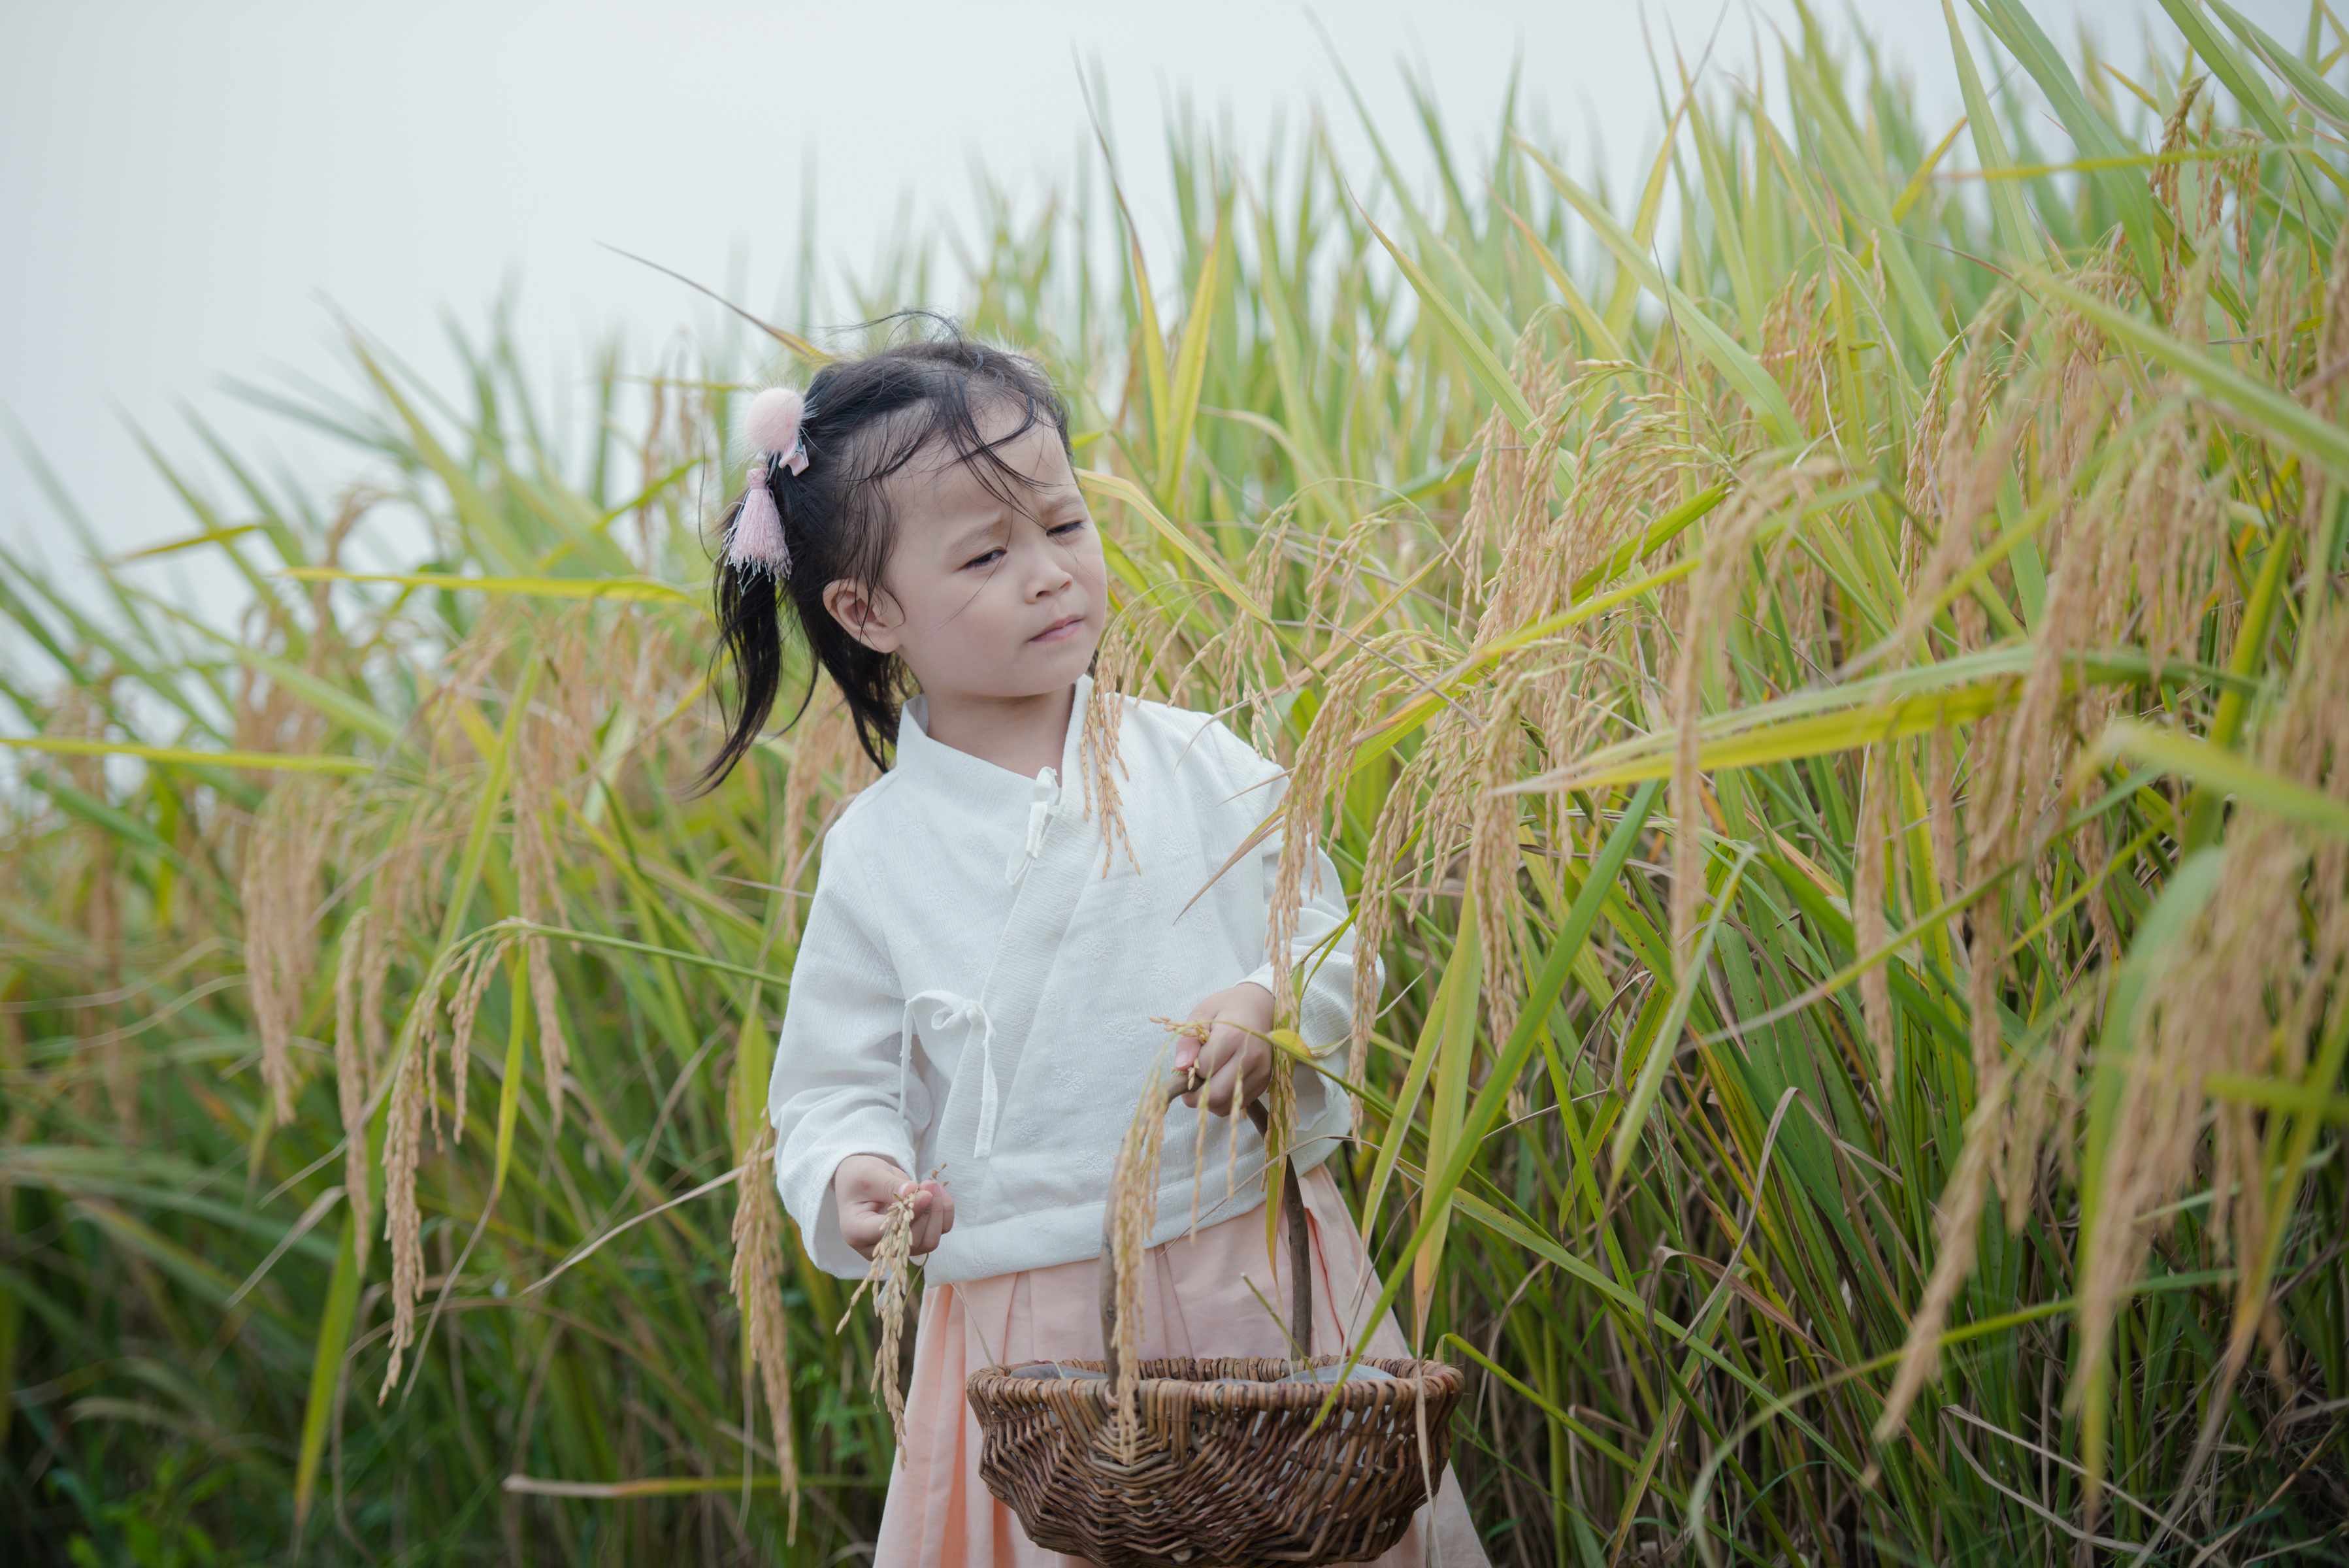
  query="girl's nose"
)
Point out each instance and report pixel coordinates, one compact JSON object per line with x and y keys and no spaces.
{"x":1048,"y":576}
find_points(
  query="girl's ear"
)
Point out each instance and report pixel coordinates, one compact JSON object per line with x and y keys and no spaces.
{"x":860,"y":616}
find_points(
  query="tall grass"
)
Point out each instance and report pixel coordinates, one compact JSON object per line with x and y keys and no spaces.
{"x":1825,"y":673}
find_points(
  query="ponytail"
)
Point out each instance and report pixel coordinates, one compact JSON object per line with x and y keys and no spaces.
{"x":750,"y":638}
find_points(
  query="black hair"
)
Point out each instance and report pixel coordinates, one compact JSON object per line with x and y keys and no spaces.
{"x":866,"y":419}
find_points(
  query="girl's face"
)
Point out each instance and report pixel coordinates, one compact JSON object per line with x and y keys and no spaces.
{"x":985,"y":599}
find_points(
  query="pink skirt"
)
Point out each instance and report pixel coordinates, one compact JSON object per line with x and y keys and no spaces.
{"x":939,"y":1514}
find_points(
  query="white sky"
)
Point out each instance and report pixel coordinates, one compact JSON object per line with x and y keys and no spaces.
{"x":187,"y":187}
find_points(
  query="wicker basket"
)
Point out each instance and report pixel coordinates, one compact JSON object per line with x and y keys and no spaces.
{"x":1226,"y":1468}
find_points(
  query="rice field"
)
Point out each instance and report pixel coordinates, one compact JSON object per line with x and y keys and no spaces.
{"x":1824,"y":670}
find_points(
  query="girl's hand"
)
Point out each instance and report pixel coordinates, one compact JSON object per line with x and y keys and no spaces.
{"x":865,"y":1185}
{"x":1235,"y":1060}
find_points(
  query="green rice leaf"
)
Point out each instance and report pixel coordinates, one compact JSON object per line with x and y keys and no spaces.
{"x":624,"y":589}
{"x":1664,"y":1044}
{"x":1483,"y":363}
{"x":1741,"y":369}
{"x":188,"y":757}
{"x":2307,"y":84}
{"x":2144,"y":224}
{"x":333,"y":1339}
{"x":2208,"y":764}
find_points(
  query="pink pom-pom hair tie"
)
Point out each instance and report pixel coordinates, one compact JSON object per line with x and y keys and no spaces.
{"x":773,"y":422}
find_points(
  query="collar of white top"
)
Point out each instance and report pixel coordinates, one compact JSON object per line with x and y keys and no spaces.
{"x":935,"y":765}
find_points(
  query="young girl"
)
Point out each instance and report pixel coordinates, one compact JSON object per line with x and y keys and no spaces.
{"x":999,"y":919}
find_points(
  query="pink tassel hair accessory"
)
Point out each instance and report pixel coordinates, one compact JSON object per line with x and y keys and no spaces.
{"x":758,"y":538}
{"x":773,"y":423}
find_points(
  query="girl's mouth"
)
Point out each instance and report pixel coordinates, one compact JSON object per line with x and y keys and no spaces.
{"x":1059,"y":630}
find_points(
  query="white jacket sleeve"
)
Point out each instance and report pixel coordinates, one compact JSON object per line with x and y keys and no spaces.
{"x":837,"y":1077}
{"x":1322,"y":970}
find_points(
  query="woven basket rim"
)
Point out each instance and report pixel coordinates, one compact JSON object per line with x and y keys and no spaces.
{"x":1408,"y":1379}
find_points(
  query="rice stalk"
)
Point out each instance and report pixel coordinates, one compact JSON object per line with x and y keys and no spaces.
{"x":1128,"y":1218}
{"x":758,"y":1262}
{"x":890,"y":1279}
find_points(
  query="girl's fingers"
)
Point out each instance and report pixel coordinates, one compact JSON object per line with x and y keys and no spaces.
{"x":1195,"y":1066}
{"x":1231,"y":1066}
{"x":933,"y":1216}
{"x":1227,"y":1072}
{"x":1198,"y":1058}
{"x":1241,"y":1076}
{"x":936,"y":1219}
{"x":863,"y":1221}
{"x":1219,"y":1090}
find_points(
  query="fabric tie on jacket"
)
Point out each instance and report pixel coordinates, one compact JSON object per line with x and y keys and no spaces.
{"x":934,"y":1013}
{"x":1043,"y":799}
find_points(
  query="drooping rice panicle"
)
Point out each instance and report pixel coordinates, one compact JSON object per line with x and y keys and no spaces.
{"x":890,"y":1280}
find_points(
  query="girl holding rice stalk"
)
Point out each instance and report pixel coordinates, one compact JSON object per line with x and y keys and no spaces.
{"x":1043,"y":869}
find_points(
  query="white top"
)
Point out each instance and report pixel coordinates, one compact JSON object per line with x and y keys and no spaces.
{"x":973,"y":992}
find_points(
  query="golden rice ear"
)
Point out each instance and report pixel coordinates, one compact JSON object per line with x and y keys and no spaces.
{"x":464,"y":1010}
{"x":1728,"y":546}
{"x":1956,"y":1234}
{"x":280,"y":889}
{"x":1199,"y":1029}
{"x":1131,"y":1213}
{"x":890,"y":1279}
{"x":1494,"y":854}
{"x":1324,"y":763}
{"x":414,"y":1085}
{"x":2248,"y":989}
{"x":554,"y":1045}
{"x":828,"y":766}
{"x":756,"y":1282}
{"x":403,"y":1221}
{"x":1375,"y":901}
{"x":1244,"y":664}
{"x":1100,"y":766}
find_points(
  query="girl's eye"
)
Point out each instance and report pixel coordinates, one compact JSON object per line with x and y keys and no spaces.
{"x":1068,"y":528}
{"x":989,"y":559}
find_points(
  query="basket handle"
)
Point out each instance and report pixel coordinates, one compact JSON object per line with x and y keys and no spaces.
{"x":1300,"y":1265}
